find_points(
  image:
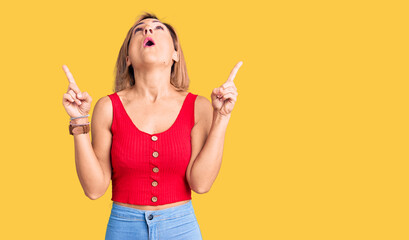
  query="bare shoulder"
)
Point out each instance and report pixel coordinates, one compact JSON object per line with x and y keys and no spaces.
{"x":203,"y":109}
{"x":103,"y":112}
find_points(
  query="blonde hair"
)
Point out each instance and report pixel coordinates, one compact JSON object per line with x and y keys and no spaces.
{"x":124,"y":75}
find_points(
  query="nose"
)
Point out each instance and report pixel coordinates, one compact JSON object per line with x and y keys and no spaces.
{"x":147,"y":29}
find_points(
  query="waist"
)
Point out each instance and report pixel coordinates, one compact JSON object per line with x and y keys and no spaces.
{"x":152,"y":208}
{"x":150,"y":193}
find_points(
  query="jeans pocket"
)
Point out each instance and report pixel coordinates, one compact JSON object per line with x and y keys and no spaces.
{"x":123,"y":226}
{"x":180,"y":227}
{"x":125,"y":216}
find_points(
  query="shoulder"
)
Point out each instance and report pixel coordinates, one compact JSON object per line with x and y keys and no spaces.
{"x":103,"y":112}
{"x":203,"y":109}
{"x":104,"y":104}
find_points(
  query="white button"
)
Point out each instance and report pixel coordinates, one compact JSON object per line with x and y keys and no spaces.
{"x":155,"y":169}
{"x":155,"y":154}
{"x":154,"y":138}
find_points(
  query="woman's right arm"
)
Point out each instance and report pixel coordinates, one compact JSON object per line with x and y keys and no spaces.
{"x":92,"y":159}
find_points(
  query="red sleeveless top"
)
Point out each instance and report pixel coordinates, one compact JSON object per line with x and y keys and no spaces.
{"x":150,"y":169}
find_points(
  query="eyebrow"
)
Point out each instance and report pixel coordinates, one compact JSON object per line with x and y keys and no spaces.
{"x":143,"y":22}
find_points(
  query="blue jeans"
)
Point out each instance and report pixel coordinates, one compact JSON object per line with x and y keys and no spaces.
{"x":176,"y":223}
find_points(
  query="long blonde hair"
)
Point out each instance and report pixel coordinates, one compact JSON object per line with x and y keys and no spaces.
{"x":124,"y":75}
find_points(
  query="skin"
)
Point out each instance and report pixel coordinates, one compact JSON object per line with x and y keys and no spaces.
{"x":152,"y":104}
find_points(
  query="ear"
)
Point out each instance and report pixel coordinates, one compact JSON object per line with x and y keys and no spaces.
{"x":127,"y":61}
{"x":175,"y":56}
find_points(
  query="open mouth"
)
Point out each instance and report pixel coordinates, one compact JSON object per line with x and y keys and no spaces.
{"x":148,"y":42}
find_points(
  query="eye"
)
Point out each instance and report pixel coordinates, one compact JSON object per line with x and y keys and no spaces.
{"x":157,"y":27}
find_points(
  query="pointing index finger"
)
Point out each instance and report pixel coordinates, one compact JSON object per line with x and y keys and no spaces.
{"x":234,"y":71}
{"x":68,"y":73}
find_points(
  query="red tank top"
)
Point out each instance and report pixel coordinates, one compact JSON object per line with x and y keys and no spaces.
{"x":150,"y":169}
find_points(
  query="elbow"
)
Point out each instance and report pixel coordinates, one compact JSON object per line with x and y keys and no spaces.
{"x":97,"y":193}
{"x":199,"y":187}
{"x":201,"y":190}
{"x":93,"y":196}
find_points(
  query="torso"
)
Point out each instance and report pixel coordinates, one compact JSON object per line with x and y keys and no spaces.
{"x":152,"y":119}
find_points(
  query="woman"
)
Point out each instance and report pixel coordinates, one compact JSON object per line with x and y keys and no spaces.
{"x":152,"y":137}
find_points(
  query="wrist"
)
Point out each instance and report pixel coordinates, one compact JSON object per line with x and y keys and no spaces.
{"x":217,"y":116}
{"x":80,"y":120}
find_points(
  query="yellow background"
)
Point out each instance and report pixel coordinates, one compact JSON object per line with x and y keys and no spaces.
{"x":317,"y":146}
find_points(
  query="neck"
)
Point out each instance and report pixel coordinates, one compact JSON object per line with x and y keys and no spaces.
{"x":152,"y":83}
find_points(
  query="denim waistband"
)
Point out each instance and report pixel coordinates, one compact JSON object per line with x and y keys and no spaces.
{"x":152,"y":215}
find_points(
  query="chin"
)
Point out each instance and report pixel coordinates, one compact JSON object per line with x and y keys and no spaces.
{"x":150,"y":58}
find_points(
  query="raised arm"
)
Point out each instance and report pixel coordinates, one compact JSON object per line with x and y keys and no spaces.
{"x":92,"y":160}
{"x":208,"y":134}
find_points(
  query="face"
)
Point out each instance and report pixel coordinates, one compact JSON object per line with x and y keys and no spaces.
{"x":162,"y":53}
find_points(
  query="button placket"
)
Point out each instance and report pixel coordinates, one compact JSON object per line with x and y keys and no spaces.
{"x":155,"y":168}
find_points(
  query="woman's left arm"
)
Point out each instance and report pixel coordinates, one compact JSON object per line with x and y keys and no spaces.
{"x":208,"y":135}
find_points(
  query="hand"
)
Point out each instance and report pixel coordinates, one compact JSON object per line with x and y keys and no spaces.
{"x":225,"y":96}
{"x":76,"y":103}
